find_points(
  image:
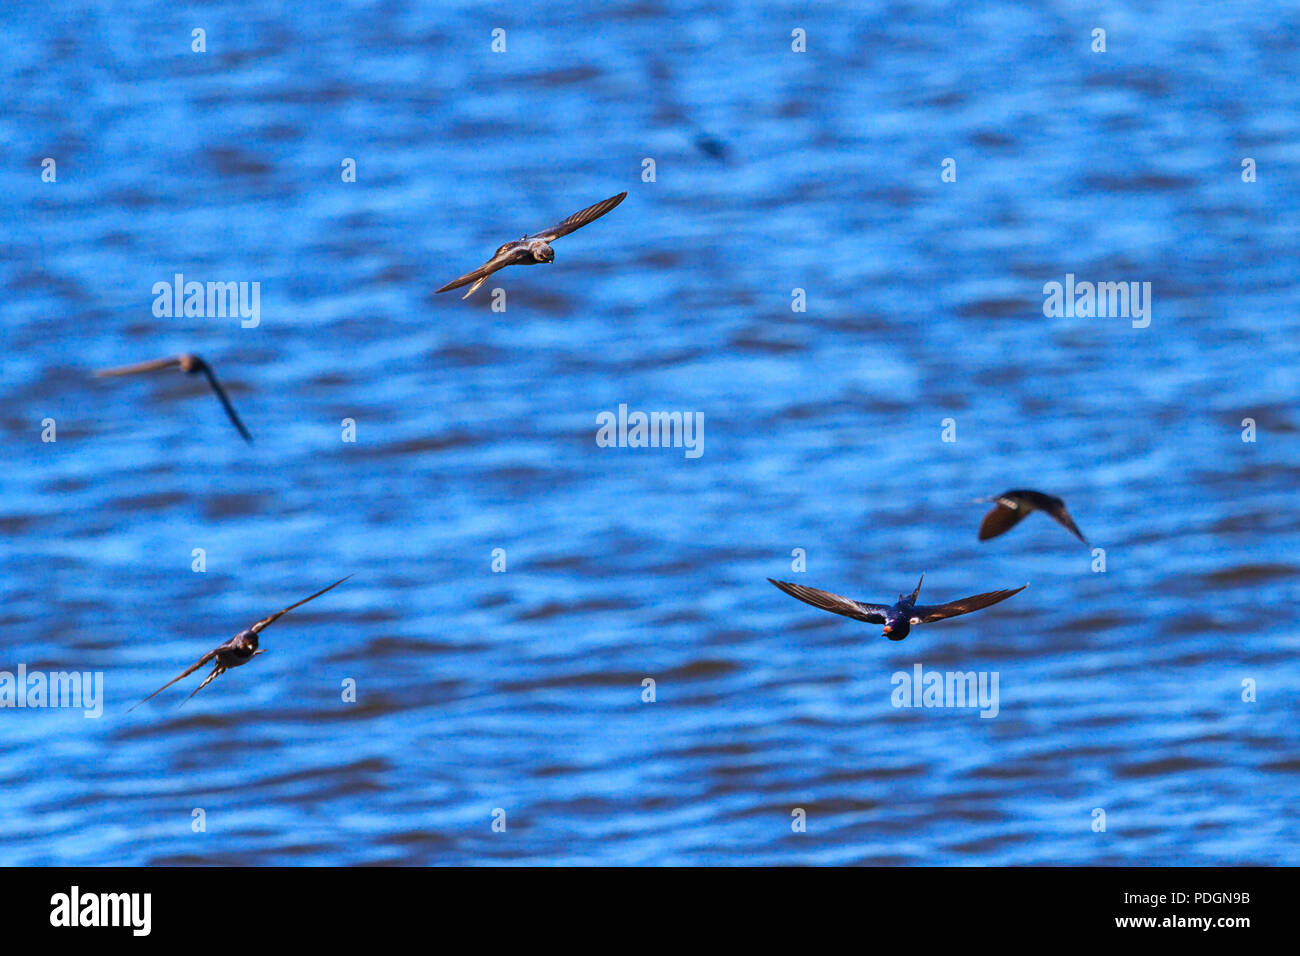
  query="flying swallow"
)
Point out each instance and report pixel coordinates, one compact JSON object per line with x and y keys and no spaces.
{"x":531,"y":250}
{"x":662,"y":81}
{"x":240,"y":649}
{"x":899,"y":617}
{"x":1014,"y":505}
{"x":190,"y":364}
{"x":710,"y":145}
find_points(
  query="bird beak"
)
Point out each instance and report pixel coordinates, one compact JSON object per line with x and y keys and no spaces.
{"x":888,"y":628}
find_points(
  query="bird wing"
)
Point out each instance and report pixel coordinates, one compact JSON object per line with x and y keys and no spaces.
{"x":580,"y":219}
{"x":1001,"y":519}
{"x":1060,"y":514}
{"x":927,"y":613}
{"x":482,"y":272}
{"x":257,"y":628}
{"x":474,"y":288}
{"x":150,"y":366}
{"x":500,"y":259}
{"x":201,"y":661}
{"x":871,"y":613}
{"x":225,"y":401}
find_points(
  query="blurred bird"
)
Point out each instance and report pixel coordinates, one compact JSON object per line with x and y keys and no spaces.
{"x":531,"y":250}
{"x":899,"y":617}
{"x":237,"y":651}
{"x":669,"y":112}
{"x":1012,"y":506}
{"x":710,"y":145}
{"x":191,"y":364}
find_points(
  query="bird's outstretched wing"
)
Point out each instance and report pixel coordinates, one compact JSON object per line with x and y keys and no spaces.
{"x":872,"y":613}
{"x":927,"y":613}
{"x":225,"y":401}
{"x":477,"y":276}
{"x":138,"y":367}
{"x":186,"y":363}
{"x":1004,"y":516}
{"x":257,"y":628}
{"x":1061,"y":515}
{"x":201,"y":661}
{"x":580,"y":219}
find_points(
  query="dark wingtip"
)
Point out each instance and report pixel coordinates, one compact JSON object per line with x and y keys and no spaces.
{"x":987,"y":528}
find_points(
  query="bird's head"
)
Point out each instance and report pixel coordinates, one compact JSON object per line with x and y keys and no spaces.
{"x":541,"y":250}
{"x":898,"y":624}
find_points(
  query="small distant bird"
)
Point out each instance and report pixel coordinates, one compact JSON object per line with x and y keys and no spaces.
{"x":239,"y":650}
{"x":1012,"y":507}
{"x":531,"y":250}
{"x":899,"y":617}
{"x":190,"y":364}
{"x":710,"y":145}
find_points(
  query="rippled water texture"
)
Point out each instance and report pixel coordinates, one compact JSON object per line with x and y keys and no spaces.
{"x":475,"y":430}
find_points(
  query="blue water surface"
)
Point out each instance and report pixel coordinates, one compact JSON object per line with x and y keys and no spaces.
{"x":518,"y":695}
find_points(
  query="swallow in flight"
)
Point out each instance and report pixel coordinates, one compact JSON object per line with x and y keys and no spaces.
{"x":1014,"y":505}
{"x":899,"y":617}
{"x":531,"y":250}
{"x":190,"y":364}
{"x":239,"y":650}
